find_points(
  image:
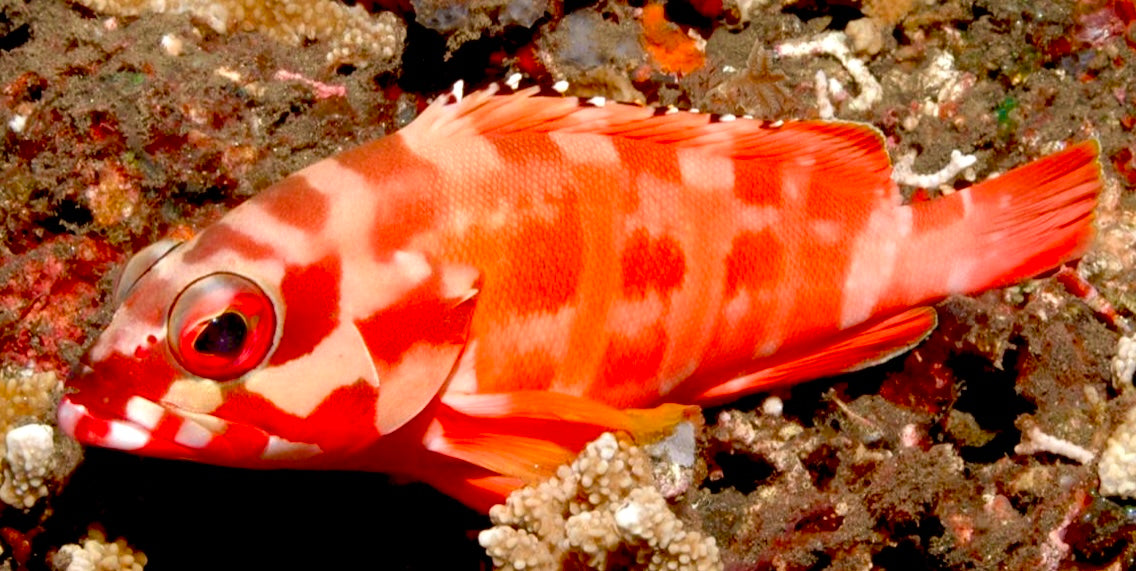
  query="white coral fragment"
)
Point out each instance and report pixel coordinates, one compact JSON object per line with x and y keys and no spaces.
{"x":602,"y":512}
{"x":903,"y":173}
{"x":1124,"y":362}
{"x":28,"y":464}
{"x":1117,"y":468}
{"x":835,"y":44}
{"x":1035,"y":441}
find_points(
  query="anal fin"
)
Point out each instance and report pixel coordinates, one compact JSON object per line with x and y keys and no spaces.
{"x":857,"y":348}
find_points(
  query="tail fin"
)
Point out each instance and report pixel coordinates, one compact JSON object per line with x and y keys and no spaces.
{"x":1012,"y":227}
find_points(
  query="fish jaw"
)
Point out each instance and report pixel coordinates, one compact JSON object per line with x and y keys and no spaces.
{"x":139,"y":422}
{"x":164,"y":435}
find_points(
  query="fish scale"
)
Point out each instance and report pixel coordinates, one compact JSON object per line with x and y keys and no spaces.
{"x":470,"y":300}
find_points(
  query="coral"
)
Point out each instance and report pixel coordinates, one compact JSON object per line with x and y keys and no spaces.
{"x":1117,"y":468}
{"x":47,"y":296}
{"x":1124,"y":363}
{"x":902,"y":173}
{"x":1035,"y":441}
{"x":865,"y":35}
{"x":95,"y":554}
{"x":758,"y":91}
{"x":594,"y":55}
{"x":672,"y":49}
{"x":354,"y":36}
{"x":835,"y":44}
{"x":888,"y":12}
{"x":461,"y":22}
{"x":601,"y":512}
{"x":28,"y":463}
{"x":26,"y":394}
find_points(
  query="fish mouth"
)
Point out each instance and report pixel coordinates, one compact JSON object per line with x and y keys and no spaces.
{"x":161,"y":431}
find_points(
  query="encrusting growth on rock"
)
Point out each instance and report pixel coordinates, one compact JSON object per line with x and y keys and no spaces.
{"x":354,"y":35}
{"x":601,"y":512}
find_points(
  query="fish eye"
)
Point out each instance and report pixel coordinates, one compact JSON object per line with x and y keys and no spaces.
{"x":221,"y":326}
{"x":139,"y":264}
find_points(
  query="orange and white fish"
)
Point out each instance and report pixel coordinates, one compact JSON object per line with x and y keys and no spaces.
{"x":469,"y":301}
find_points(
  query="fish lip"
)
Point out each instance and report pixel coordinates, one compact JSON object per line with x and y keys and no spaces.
{"x":78,"y":422}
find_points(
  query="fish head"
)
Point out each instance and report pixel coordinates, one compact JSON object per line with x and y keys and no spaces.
{"x":224,"y":351}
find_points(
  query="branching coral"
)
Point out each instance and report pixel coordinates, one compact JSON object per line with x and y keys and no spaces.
{"x":28,"y":464}
{"x":835,"y":44}
{"x":95,"y":554}
{"x":354,"y":35}
{"x":29,"y":453}
{"x":601,"y":512}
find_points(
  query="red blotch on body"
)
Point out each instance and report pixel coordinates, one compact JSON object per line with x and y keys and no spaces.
{"x":311,"y":307}
{"x":542,"y":264}
{"x":398,"y":222}
{"x":758,"y":183}
{"x":407,"y":185}
{"x":295,"y":202}
{"x":528,"y":150}
{"x":220,"y":237}
{"x":420,"y":316}
{"x":649,"y":263}
{"x":529,"y":371}
{"x":642,"y":157}
{"x":629,"y":365}
{"x":754,"y":261}
{"x":343,"y":422}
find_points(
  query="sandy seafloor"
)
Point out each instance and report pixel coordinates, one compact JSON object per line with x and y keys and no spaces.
{"x":108,"y":142}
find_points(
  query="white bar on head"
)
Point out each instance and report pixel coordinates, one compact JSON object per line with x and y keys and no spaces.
{"x":143,"y":412}
{"x":281,"y":449}
{"x":123,"y":436}
{"x":193,"y":435}
{"x":69,"y":415}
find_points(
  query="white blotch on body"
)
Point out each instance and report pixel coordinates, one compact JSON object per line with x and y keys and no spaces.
{"x":300,"y":385}
{"x":281,"y":449}
{"x":143,"y":412}
{"x":192,"y":435}
{"x":123,"y":436}
{"x":873,"y":262}
{"x":194,"y":395}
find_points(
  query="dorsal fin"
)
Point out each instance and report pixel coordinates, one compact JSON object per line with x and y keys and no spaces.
{"x":830,"y":146}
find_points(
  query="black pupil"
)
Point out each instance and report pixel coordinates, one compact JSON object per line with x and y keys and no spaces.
{"x":224,"y":335}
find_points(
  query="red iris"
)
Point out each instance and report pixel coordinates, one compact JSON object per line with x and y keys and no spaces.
{"x":221,"y":327}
